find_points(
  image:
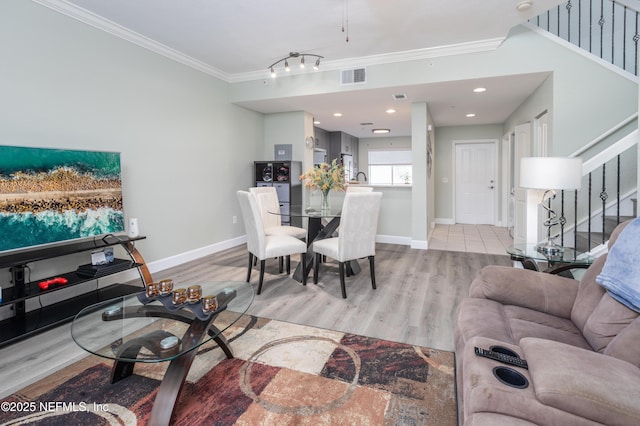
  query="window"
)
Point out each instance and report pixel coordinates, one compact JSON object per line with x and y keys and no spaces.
{"x":390,"y":167}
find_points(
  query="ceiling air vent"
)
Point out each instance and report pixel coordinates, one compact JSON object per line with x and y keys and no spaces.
{"x":353,"y":76}
{"x":400,"y":97}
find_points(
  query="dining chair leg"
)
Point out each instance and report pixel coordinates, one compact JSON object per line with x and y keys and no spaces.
{"x":316,"y":268}
{"x":250,"y":266}
{"x":344,"y":290}
{"x":261,"y":276}
{"x":373,"y":271}
{"x":288,"y":264}
{"x":303,"y":260}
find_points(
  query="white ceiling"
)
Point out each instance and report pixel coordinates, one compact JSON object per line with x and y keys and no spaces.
{"x":239,"y":39}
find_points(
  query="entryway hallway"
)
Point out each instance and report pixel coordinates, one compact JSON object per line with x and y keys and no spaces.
{"x":471,"y":238}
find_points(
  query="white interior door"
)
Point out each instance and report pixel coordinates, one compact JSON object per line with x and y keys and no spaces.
{"x":521,"y":148}
{"x":475,"y":183}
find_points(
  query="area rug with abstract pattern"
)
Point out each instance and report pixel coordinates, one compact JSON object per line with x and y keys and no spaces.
{"x":282,"y":374}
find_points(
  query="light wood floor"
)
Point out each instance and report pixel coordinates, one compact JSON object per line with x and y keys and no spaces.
{"x":415,"y":302}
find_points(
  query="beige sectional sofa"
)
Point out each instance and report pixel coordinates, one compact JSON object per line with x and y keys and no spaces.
{"x":582,"y":347}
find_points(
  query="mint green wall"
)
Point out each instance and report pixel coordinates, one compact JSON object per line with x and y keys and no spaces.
{"x":185,"y":148}
{"x":284,"y":128}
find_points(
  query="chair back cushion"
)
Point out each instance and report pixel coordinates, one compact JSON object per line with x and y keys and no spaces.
{"x":357,"y":188}
{"x":252,"y":224}
{"x":358,"y":225}
{"x":267,"y":200}
{"x":598,"y":315}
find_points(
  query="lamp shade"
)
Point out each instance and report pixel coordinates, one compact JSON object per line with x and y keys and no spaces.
{"x":551,"y":172}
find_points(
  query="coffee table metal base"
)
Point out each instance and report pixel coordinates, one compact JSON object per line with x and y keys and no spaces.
{"x":178,"y":369}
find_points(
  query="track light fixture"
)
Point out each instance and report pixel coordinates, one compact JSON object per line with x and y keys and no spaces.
{"x":294,"y":55}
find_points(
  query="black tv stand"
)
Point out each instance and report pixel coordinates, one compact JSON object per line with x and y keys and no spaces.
{"x":25,"y":324}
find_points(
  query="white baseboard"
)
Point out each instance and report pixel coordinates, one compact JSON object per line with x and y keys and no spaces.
{"x":179,"y":259}
{"x":444,"y":221}
{"x":419,"y":244}
{"x":393,"y":239}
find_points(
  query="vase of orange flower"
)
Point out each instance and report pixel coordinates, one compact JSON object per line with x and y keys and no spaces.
{"x":325,"y":177}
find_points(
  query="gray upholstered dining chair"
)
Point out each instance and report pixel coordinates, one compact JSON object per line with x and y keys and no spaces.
{"x":264,"y":246}
{"x":357,"y":238}
{"x":267,"y":199}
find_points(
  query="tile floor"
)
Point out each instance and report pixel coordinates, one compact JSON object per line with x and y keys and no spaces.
{"x":470,"y":238}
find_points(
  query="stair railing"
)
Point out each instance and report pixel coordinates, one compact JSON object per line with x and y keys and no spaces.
{"x":608,"y":29}
{"x":596,"y":173}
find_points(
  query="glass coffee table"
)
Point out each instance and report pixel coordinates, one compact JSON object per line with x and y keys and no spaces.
{"x":151,"y":327}
{"x":568,"y":258}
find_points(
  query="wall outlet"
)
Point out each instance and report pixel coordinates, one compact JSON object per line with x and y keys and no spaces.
{"x":234,"y":219}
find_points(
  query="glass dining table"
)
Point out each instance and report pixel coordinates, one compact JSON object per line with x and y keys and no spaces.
{"x":321,"y":224}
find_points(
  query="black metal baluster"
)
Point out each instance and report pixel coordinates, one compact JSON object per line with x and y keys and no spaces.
{"x":558,"y":24}
{"x":579,"y":23}
{"x":636,"y":37}
{"x":613,"y":29}
{"x":575,"y":219}
{"x":624,"y":39}
{"x":603,"y":197}
{"x":563,"y":220}
{"x":569,"y":6}
{"x":589,"y":216}
{"x":601,"y":23}
{"x":618,"y":192}
{"x":590,"y":26}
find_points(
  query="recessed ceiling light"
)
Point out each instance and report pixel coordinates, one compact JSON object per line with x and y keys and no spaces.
{"x":337,"y":114}
{"x":316,"y":122}
{"x":480,"y":89}
{"x":470,"y":115}
{"x":381,"y":131}
{"x":391,"y":111}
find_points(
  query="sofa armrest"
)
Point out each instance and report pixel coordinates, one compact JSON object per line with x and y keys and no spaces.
{"x":582,"y":382}
{"x":551,"y":294}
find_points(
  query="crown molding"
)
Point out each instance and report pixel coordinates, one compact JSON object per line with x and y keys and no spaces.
{"x":96,"y":21}
{"x":387,"y":58}
{"x":82,"y":15}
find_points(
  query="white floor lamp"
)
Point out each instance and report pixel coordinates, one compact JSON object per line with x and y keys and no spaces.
{"x":547,"y":175}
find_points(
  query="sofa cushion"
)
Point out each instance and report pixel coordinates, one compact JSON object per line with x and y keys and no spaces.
{"x":547,"y":293}
{"x":589,"y":294}
{"x":509,"y":324}
{"x":482,"y":317}
{"x":583,"y":382}
{"x":625,"y":345}
{"x":608,"y":319}
{"x":525,"y":322}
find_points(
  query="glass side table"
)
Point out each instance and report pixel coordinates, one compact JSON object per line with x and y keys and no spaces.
{"x":566,"y":260}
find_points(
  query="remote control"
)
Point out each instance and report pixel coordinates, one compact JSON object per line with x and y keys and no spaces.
{"x":507,"y":359}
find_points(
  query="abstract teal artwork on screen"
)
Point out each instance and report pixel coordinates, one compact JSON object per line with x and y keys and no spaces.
{"x":52,"y":195}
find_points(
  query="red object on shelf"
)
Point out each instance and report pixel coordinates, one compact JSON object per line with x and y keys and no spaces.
{"x":44,"y":285}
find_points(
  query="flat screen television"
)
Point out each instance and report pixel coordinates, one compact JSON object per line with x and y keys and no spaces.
{"x":53,"y":195}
